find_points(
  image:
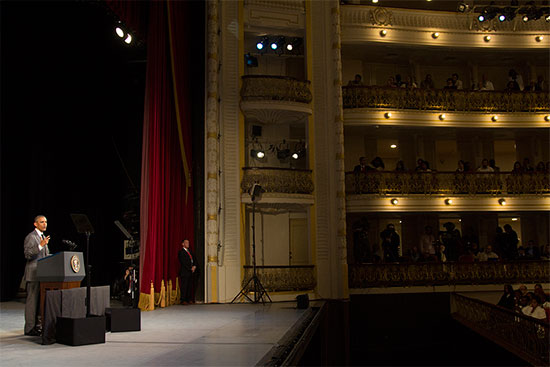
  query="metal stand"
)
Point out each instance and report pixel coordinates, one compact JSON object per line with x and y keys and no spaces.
{"x":84,"y":226}
{"x":253,"y":285}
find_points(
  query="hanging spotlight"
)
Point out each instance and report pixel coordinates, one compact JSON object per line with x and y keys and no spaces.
{"x":481,"y":18}
{"x":278,"y":43}
{"x":262,"y":43}
{"x":128,"y":39}
{"x":394,"y":201}
{"x":547,"y":17}
{"x":502,"y":201}
{"x":488,"y":13}
{"x":508,"y":14}
{"x":120,"y":32}
{"x":293,"y":45}
{"x":442,"y":117}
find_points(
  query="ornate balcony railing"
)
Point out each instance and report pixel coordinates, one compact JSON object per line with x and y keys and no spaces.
{"x":283,"y":278}
{"x":275,"y":88}
{"x":525,"y":336}
{"x":278,"y":180}
{"x":447,"y":183}
{"x":449,"y":273}
{"x":444,"y":99}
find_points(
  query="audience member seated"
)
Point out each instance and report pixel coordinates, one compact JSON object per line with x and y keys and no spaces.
{"x":487,"y":255}
{"x":512,"y":86}
{"x":357,"y":82}
{"x":541,"y":167}
{"x":526,"y":166}
{"x":541,"y":85}
{"x":460,"y":167}
{"x":545,"y":253}
{"x":492,"y":164}
{"x":513,"y":76}
{"x":485,"y":166}
{"x":398,"y":80}
{"x":440,"y":252}
{"x":474,"y":249}
{"x":539,"y":291}
{"x":534,"y":309}
{"x":532,"y":251}
{"x":362,"y":166}
{"x":467,"y":257}
{"x":427,"y":242}
{"x":427,"y":83}
{"x":517,"y":169}
{"x":523,"y":289}
{"x":391,"y":82}
{"x":456,"y":81}
{"x":450,"y":84}
{"x":390,"y":243}
{"x":400,"y":167}
{"x":378,"y":164}
{"x":485,"y":84}
{"x":409,"y":83}
{"x":508,"y":299}
{"x":413,"y":254}
{"x":425,"y":167}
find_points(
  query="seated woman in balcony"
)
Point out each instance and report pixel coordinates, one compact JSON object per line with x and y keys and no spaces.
{"x":534,"y":309}
{"x":409,"y":83}
{"x":487,"y":255}
{"x":512,"y":86}
{"x":518,"y":169}
{"x":357,"y":82}
{"x":400,"y":167}
{"x":428,"y":82}
{"x":378,"y":164}
{"x":527,"y":168}
{"x":391,"y":82}
{"x":513,"y":76}
{"x":461,"y":168}
{"x":541,"y":167}
{"x":450,"y":84}
{"x":508,"y":299}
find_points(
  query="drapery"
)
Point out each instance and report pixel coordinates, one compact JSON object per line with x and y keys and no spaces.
{"x":166,"y":213}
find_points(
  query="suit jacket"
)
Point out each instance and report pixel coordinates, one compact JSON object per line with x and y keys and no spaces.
{"x":185,"y":262}
{"x":32,"y":254}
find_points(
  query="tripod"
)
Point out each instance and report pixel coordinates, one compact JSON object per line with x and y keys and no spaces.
{"x":253,"y":284}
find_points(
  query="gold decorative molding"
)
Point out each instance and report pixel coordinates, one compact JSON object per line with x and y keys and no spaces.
{"x":212,"y":259}
{"x":283,"y":278}
{"x":278,"y":88}
{"x":431,"y":274}
{"x":278,"y":180}
{"x":386,"y":183}
{"x":444,"y":100}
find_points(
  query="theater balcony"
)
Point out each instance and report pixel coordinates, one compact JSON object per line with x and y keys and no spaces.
{"x":275,"y":99}
{"x":279,"y":185}
{"x":284,"y":278}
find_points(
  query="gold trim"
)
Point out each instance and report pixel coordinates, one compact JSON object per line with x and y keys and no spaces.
{"x":212,"y":176}
{"x":212,"y":134}
{"x":212,"y":216}
{"x":212,"y":259}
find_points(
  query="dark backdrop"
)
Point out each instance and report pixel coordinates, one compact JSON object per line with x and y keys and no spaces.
{"x":71,"y":117}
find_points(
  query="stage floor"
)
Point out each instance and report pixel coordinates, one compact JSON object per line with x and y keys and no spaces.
{"x":194,"y":335}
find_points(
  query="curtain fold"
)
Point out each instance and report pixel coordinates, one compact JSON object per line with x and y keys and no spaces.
{"x":166,"y":207}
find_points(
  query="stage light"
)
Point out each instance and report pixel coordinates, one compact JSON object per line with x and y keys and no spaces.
{"x":435,"y":35}
{"x":262,"y":43}
{"x":289,"y":47}
{"x":387,"y":115}
{"x":525,"y":18}
{"x":257,"y":153}
{"x":488,"y":13}
{"x":128,"y":39}
{"x":539,"y":38}
{"x":481,"y":18}
{"x":278,"y":43}
{"x":442,"y":117}
{"x":487,"y":38}
{"x":119,"y":32}
{"x":394,"y":201}
{"x":374,"y":1}
{"x":547,"y":18}
{"x":260,"y":154}
{"x":508,"y":14}
{"x":494,"y":118}
{"x":514,"y":219}
{"x":502,"y":17}
{"x":393,"y":146}
{"x":448,"y":201}
{"x":502,"y":201}
{"x":383,"y":33}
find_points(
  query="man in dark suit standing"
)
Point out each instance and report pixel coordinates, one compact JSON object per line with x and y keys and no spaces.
{"x":187,"y":272}
{"x":35,"y":247}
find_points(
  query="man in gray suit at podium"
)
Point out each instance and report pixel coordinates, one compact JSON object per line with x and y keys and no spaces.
{"x":36,"y":247}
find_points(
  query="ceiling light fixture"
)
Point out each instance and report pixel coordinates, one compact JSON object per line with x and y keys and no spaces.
{"x":539,"y":38}
{"x":435,"y":35}
{"x":387,"y":115}
{"x":383,"y":33}
{"x":394,"y":201}
{"x":502,"y":201}
{"x":442,"y":117}
{"x":448,"y":201}
{"x":393,"y":146}
{"x":494,"y":118}
{"x":487,"y":38}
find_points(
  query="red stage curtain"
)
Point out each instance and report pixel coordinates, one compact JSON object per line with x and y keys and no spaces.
{"x":166,"y":216}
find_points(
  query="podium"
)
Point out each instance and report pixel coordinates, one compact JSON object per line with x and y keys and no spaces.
{"x":62,"y":270}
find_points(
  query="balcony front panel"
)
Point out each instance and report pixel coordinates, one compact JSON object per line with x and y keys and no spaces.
{"x":447,"y":183}
{"x":275,"y":99}
{"x":279,"y":185}
{"x":283,"y":278}
{"x":432,"y":274}
{"x":444,"y":100}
